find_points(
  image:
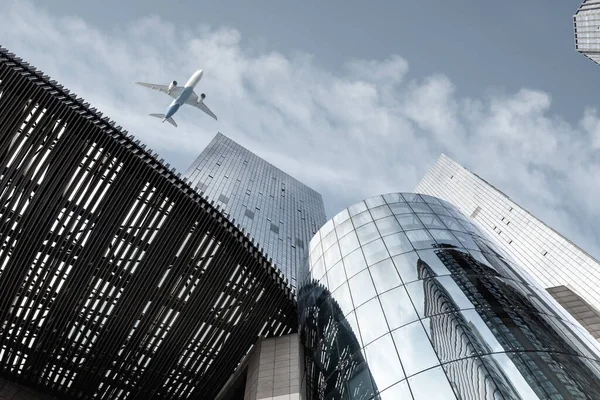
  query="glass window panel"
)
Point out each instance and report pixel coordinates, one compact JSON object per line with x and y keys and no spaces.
{"x":421,"y":239}
{"x":443,"y":236}
{"x":466,"y":240}
{"x":348,"y":244}
{"x":398,"y":308}
{"x":416,"y":293}
{"x":412,"y":197}
{"x":397,"y":243}
{"x":482,"y":331}
{"x":332,"y":256}
{"x":439,"y":210}
{"x":429,"y":199}
{"x":341,"y":217}
{"x":433,"y":260}
{"x":400,"y":208}
{"x":470,"y":228}
{"x":359,"y":382}
{"x":432,"y":384}
{"x":406,"y":265}
{"x":318,"y":269}
{"x":336,"y":276}
{"x":409,"y":221}
{"x":318,"y":252}
{"x":323,"y":281}
{"x":329,"y":240}
{"x":367,"y":233}
{"x":343,"y":298}
{"x":362,"y":288}
{"x":315,"y":241}
{"x":357,"y":208}
{"x":458,"y":215}
{"x":431,"y":221}
{"x":391,"y":198}
{"x":383,"y":362}
{"x":344,"y":228}
{"x":371,"y":321}
{"x":421,"y":208}
{"x":361,"y":219}
{"x":450,"y":337}
{"x":375,"y":252}
{"x":354,"y":263}
{"x":388,"y":226}
{"x":325,"y":229}
{"x":375,"y":201}
{"x":385,"y":275}
{"x":351,"y":319}
{"x":452,"y":223}
{"x":381,"y":212}
{"x":458,"y":296}
{"x":518,"y":379}
{"x":414,"y":347}
{"x":399,"y":391}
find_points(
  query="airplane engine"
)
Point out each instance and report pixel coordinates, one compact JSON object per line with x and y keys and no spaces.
{"x":202,"y":97}
{"x":172,"y":85}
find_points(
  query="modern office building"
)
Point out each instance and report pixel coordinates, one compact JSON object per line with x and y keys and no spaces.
{"x":279,"y":212}
{"x":404,"y":298}
{"x":117,"y":280}
{"x":587,"y":29}
{"x":568,"y":273}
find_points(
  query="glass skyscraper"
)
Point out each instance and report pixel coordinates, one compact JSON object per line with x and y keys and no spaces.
{"x":569,"y":274}
{"x":404,"y":298}
{"x":587,"y":29}
{"x":278,"y":211}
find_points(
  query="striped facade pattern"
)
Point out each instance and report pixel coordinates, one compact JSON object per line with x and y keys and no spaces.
{"x":586,"y":25}
{"x":117,"y":280}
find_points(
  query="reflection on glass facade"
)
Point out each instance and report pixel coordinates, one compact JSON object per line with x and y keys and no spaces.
{"x":278,"y":211}
{"x":587,"y":29}
{"x":546,"y":255}
{"x":404,"y":298}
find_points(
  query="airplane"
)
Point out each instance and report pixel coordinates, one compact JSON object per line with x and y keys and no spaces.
{"x":181,"y":95}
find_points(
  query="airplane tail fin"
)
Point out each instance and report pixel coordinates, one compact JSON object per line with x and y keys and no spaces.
{"x":170,"y":120}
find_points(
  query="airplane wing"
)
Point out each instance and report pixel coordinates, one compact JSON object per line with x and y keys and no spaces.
{"x":176,"y":91}
{"x":193,"y":101}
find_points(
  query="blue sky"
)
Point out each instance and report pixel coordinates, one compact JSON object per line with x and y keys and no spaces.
{"x":353,"y":98}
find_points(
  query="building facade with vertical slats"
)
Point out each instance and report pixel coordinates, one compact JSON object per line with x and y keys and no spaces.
{"x":117,"y":280}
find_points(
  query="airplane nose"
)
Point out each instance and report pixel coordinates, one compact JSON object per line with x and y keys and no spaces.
{"x":201,"y":73}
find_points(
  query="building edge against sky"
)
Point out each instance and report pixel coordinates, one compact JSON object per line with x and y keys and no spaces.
{"x":570,"y":274}
{"x":278,"y":211}
{"x":586,"y":24}
{"x":404,"y":297}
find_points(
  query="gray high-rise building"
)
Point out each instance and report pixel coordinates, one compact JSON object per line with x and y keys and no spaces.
{"x":587,"y":29}
{"x":567,"y":272}
{"x":279,"y":212}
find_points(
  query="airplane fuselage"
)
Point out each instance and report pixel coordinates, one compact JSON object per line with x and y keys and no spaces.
{"x":180,"y":100}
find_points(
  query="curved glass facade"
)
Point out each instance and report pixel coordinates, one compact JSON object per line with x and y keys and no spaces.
{"x":404,"y":298}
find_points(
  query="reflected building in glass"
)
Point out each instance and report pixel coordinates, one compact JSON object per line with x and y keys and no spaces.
{"x":567,"y":272}
{"x":586,"y":23}
{"x":279,"y":212}
{"x":404,"y":298}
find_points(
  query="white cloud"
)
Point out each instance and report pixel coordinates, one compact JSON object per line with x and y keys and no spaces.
{"x":366,"y":129}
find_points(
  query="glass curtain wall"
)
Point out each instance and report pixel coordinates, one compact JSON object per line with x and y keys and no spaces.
{"x":403,"y":298}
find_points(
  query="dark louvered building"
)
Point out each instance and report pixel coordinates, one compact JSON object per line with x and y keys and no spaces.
{"x":117,"y":280}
